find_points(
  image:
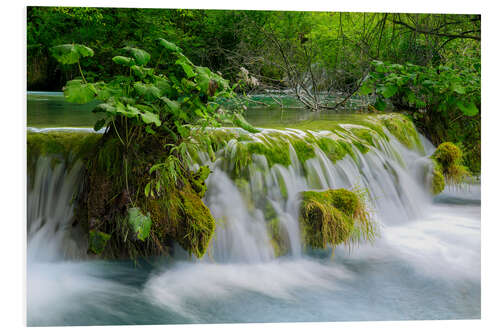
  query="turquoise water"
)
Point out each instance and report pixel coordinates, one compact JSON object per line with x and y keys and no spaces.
{"x":50,"y":109}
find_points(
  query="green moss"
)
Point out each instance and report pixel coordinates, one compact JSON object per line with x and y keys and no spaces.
{"x":333,"y":217}
{"x":333,"y":149}
{"x":365,"y":134}
{"x":403,"y":129}
{"x":448,"y":167}
{"x":63,"y":147}
{"x":198,"y":180}
{"x":437,"y":185}
{"x":98,"y":241}
{"x":303,"y":150}
{"x":195,"y":233}
{"x":362,"y":148}
{"x":449,"y":162}
{"x":278,"y":237}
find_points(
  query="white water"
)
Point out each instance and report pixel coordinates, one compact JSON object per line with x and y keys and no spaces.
{"x":424,"y":265}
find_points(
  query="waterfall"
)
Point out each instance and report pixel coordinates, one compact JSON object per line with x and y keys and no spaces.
{"x":51,"y":189}
{"x":424,"y":265}
{"x":249,"y":186}
{"x":394,"y":177}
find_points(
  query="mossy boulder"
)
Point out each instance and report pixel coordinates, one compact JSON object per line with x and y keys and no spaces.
{"x":438,"y":183}
{"x":448,"y":167}
{"x":333,"y":217}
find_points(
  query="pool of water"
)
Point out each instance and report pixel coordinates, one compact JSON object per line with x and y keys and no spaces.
{"x":50,"y":109}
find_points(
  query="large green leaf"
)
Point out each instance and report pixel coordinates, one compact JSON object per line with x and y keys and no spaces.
{"x":203,"y":78}
{"x":141,"y":72}
{"x":141,"y":57}
{"x":172,"y":105}
{"x":366,"y":88}
{"x":164,"y":86}
{"x":186,"y":67}
{"x":169,"y":45}
{"x":71,"y":53}
{"x":76,"y":91}
{"x":140,"y":223}
{"x":458,"y":89}
{"x":150,"y":117}
{"x":106,"y":108}
{"x":468,"y":108}
{"x":124,"y":61}
{"x":388,"y":91}
{"x":127,"y":111}
{"x":148,"y":91}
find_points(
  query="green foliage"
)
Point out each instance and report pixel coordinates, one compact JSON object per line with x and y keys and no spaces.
{"x":436,"y":89}
{"x":98,"y":241}
{"x":149,"y":115}
{"x":167,"y":97}
{"x":140,"y":223}
{"x":444,"y":101}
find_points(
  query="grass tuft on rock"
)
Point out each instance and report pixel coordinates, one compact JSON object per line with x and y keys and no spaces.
{"x":448,"y":167}
{"x":332,"y":217}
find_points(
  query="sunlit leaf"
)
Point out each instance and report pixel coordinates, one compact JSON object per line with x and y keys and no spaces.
{"x":169,"y":45}
{"x":388,"y":91}
{"x":140,"y":223}
{"x":148,"y":91}
{"x":149,"y":117}
{"x":141,"y":57}
{"x":125,"y":61}
{"x":468,"y":108}
{"x":186,"y":67}
{"x":76,"y":91}
{"x":71,"y":53}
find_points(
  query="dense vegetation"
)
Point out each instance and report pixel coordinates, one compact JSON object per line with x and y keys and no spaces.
{"x":425,"y":65}
{"x":139,"y":192}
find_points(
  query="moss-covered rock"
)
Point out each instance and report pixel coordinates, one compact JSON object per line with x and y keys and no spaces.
{"x":437,"y":184}
{"x":120,"y":220}
{"x":333,"y":217}
{"x":198,"y":225}
{"x":448,"y":167}
{"x":62,"y":147}
{"x":403,"y":129}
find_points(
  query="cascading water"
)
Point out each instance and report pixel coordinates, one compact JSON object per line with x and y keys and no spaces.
{"x":241,"y":268}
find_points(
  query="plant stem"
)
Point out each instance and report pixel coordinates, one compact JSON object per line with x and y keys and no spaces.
{"x":81,"y":72}
{"x":118,"y":134}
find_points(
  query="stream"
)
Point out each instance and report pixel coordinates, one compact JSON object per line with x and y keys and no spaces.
{"x":424,"y":265}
